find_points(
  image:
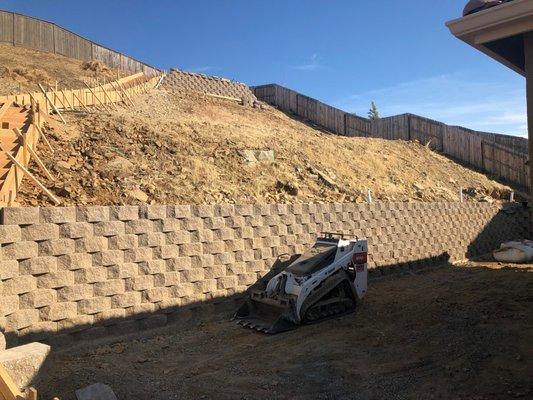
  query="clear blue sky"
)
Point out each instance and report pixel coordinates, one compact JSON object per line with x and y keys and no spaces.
{"x":348,"y":53}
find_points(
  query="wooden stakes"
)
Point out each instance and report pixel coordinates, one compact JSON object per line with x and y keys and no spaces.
{"x":96,"y":97}
{"x":108,"y":98}
{"x":36,"y":157}
{"x":52,"y":104}
{"x":67,"y":100}
{"x":33,"y":179}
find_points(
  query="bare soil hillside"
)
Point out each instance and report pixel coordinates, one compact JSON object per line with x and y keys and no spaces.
{"x":456,"y":332}
{"x":22,"y":69}
{"x":193,"y":149}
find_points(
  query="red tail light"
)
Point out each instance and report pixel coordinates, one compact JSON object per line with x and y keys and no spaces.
{"x":360,"y":258}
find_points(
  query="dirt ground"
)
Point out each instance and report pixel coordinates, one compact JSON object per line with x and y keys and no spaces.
{"x":453,"y":332}
{"x":22,"y":69}
{"x":188,"y":149}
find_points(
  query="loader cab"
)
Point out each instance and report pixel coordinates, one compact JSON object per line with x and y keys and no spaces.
{"x":317,"y":257}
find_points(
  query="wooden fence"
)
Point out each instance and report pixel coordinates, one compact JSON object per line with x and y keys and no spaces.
{"x":503,"y":156}
{"x":23,"y":31}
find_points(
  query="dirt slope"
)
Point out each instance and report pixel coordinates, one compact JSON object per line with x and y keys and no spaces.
{"x":22,"y":69}
{"x":452,"y":333}
{"x":189,"y":149}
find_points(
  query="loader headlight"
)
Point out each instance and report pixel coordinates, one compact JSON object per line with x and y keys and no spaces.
{"x":360,"y":258}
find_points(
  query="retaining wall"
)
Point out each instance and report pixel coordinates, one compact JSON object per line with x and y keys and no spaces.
{"x":24,"y":31}
{"x":70,"y":274}
{"x":189,"y":81}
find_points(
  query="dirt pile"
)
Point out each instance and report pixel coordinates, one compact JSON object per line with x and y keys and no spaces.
{"x":187,"y":148}
{"x":22,"y":69}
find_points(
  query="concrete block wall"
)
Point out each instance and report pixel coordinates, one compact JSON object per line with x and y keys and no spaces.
{"x":78,"y":273}
{"x":188,"y":81}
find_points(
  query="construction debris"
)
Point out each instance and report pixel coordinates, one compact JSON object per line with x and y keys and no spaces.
{"x":24,"y":362}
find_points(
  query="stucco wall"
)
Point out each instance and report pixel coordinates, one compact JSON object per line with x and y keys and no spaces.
{"x":78,"y":273}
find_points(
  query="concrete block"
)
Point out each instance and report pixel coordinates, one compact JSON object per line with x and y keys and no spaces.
{"x":192,"y":224}
{"x":140,"y":226}
{"x":75,"y":324}
{"x":214,"y":247}
{"x":156,"y":294}
{"x":224,"y":210}
{"x":94,"y":305}
{"x":19,"y":251}
{"x":75,"y":292}
{"x":179,"y":263}
{"x":179,"y":237}
{"x":192,"y":275}
{"x":40,"y":232}
{"x":57,"y":247}
{"x":152,"y":267}
{"x":108,"y":257}
{"x":124,"y":213}
{"x":138,"y":255}
{"x":216,"y":271}
{"x":97,"y":391}
{"x":183,"y":289}
{"x":38,"y":298}
{"x":9,"y":234}
{"x":90,"y":275}
{"x":59,"y":311}
{"x":19,"y":285}
{"x":153,"y":212}
{"x":55,"y":280}
{"x":92,"y":214}
{"x":22,"y":318}
{"x":91,"y":244}
{"x":128,"y":299}
{"x":125,"y":270}
{"x":109,"y":228}
{"x":167,"y":279}
{"x":227,"y":282}
{"x":9,"y":305}
{"x":141,"y":282}
{"x":166,"y":252}
{"x":76,"y":230}
{"x":109,"y":288}
{"x":57,"y":215}
{"x":180,"y":211}
{"x":190,"y":249}
{"x":123,"y":242}
{"x":38,"y":265}
{"x":73,"y":262}
{"x":141,"y":311}
{"x":19,"y":215}
{"x":8,"y":269}
{"x":110,"y":317}
{"x":23,"y":363}
{"x":152,"y":239}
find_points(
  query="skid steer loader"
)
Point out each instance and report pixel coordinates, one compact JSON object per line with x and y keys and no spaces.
{"x":324,"y":282}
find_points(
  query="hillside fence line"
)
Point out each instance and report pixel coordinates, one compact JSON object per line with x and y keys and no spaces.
{"x":33,"y":33}
{"x":502,"y":156}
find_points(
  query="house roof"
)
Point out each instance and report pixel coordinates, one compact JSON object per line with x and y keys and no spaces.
{"x":497,"y":29}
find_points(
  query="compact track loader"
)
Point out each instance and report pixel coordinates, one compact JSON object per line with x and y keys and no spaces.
{"x":324,"y":282}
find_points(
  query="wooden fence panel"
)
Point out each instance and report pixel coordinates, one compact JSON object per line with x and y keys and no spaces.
{"x":108,"y":57}
{"x":6,"y":27}
{"x":425,"y":131}
{"x":357,"y":126}
{"x":285,"y":99}
{"x":391,"y":128}
{"x":71,"y":45}
{"x":34,"y":33}
{"x":307,"y":108}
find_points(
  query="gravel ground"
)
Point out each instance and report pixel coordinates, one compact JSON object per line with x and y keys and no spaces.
{"x":461,"y":332}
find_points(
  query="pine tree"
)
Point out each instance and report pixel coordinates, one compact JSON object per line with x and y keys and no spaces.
{"x":373,"y":113}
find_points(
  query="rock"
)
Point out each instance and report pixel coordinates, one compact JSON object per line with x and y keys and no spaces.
{"x":24,"y":362}
{"x":119,"y":167}
{"x":63,"y":166}
{"x":137,"y":194}
{"x":418,"y":186}
{"x":97,"y":391}
{"x":288,"y":187}
{"x":252,"y":156}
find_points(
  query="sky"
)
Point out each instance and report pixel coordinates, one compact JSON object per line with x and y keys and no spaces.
{"x":347,"y":53}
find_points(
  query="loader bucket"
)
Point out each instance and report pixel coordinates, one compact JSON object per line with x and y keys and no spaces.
{"x":265,"y":317}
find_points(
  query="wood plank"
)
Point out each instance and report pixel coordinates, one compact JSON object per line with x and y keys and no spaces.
{"x":8,"y":388}
{"x":52,"y":104}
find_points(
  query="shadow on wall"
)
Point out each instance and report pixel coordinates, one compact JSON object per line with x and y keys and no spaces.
{"x":510,"y":220}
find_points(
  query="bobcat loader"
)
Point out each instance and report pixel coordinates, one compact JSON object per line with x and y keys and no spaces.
{"x":324,"y":282}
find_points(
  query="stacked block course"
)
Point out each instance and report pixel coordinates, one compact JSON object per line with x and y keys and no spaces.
{"x":78,"y":273}
{"x":188,"y":81}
